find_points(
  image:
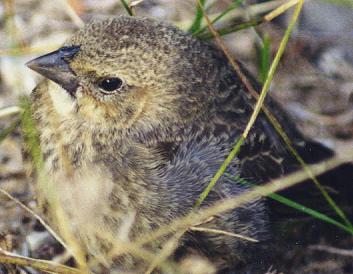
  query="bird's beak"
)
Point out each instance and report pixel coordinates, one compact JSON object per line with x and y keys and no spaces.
{"x":55,"y":66}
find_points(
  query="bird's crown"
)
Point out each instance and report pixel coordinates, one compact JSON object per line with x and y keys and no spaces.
{"x":133,"y":73}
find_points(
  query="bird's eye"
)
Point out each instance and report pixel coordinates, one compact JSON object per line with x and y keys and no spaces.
{"x":109,"y":85}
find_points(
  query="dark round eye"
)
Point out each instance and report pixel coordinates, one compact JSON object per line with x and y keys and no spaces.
{"x":110,"y":84}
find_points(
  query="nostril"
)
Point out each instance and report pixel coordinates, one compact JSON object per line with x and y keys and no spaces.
{"x":69,"y":51}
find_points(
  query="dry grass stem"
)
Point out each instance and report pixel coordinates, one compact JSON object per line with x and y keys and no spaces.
{"x":250,"y":88}
{"x":260,"y":8}
{"x":64,"y":229}
{"x":43,"y":265}
{"x":168,"y":249}
{"x":228,"y":204}
{"x":259,"y":105}
{"x":8,"y":111}
{"x":332,"y":250}
{"x":253,"y":10}
{"x":135,"y":3}
{"x":131,"y":248}
{"x":35,"y":215}
{"x":221,"y":44}
{"x":281,"y":9}
{"x":217,"y":231}
{"x":72,"y":13}
{"x":272,"y":70}
{"x":132,"y":6}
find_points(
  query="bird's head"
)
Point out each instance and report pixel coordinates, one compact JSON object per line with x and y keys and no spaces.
{"x":136,"y":74}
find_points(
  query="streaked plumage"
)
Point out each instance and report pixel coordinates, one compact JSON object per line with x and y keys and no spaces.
{"x":131,"y":160}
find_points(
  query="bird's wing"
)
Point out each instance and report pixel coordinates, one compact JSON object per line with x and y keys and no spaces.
{"x":264,"y":154}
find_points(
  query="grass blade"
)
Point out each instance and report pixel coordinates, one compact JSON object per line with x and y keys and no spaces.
{"x":264,"y":58}
{"x":44,"y":265}
{"x":259,"y":102}
{"x":231,"y":7}
{"x":309,"y":211}
{"x":30,"y":133}
{"x":231,"y":29}
{"x":201,"y":215}
{"x":220,"y":172}
{"x":196,"y":24}
{"x":127,"y":7}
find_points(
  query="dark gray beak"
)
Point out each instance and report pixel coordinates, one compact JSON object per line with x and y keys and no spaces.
{"x":55,"y":66}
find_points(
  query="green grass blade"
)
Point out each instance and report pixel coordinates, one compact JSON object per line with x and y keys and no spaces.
{"x":231,"y":7}
{"x":264,"y":58}
{"x":127,"y":8}
{"x":231,"y":29}
{"x":272,"y":119}
{"x":220,"y":172}
{"x":30,"y":133}
{"x":309,"y":211}
{"x":196,"y":24}
{"x":258,"y":105}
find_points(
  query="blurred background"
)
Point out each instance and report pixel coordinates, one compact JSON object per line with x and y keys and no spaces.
{"x":314,"y":83}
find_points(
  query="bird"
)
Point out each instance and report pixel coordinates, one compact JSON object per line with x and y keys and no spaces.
{"x":134,"y":118}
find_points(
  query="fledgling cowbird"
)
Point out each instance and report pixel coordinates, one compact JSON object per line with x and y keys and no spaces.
{"x":135,"y":121}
